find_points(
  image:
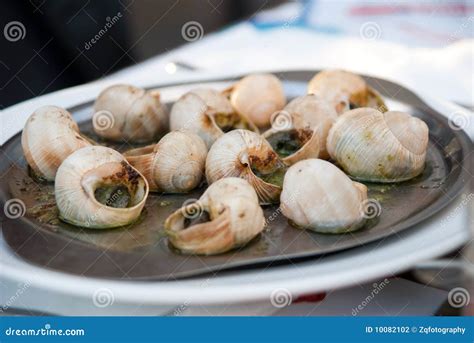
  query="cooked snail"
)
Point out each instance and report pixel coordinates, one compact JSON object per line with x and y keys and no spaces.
{"x":257,"y":97}
{"x":124,"y":112}
{"x":300,"y":130}
{"x":246,"y":154}
{"x":95,"y":187}
{"x":345,"y":90}
{"x":336,"y":203}
{"x":174,"y":165}
{"x":207,"y":113}
{"x":226,"y":216}
{"x":49,"y":136}
{"x":379,"y":147}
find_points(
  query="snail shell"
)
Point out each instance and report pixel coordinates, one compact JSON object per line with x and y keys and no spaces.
{"x":345,"y":91}
{"x":337,"y":202}
{"x":257,"y":97}
{"x":207,"y":113}
{"x":124,"y":112}
{"x":174,"y":165}
{"x":304,"y":125}
{"x":379,"y":147}
{"x":49,"y":136}
{"x":95,"y":187}
{"x":246,"y":154}
{"x":234,"y":218}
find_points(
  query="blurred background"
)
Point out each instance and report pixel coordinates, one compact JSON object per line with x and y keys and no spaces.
{"x":49,"y":45}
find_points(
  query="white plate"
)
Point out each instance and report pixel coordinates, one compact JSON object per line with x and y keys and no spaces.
{"x":60,"y":293}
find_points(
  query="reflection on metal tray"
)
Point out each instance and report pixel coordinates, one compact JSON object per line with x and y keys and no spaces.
{"x":141,"y":251}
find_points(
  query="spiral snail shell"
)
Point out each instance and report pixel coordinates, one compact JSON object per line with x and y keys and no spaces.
{"x":124,"y":112}
{"x":49,"y":136}
{"x":226,"y":216}
{"x":246,"y":154}
{"x":336,"y":202}
{"x":345,"y":91}
{"x":380,"y":147}
{"x":174,"y":165}
{"x":96,"y":187}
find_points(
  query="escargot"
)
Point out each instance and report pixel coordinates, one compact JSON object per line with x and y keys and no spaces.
{"x":257,"y":97}
{"x":49,"y":136}
{"x":226,"y":216}
{"x":345,"y":91}
{"x":124,"y":112}
{"x":96,"y":187}
{"x":246,"y":154}
{"x":174,"y":165}
{"x":380,"y":147}
{"x":336,"y":202}
{"x":207,"y":113}
{"x":300,"y":130}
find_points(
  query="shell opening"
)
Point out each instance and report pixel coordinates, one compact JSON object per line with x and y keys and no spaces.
{"x":116,"y":196}
{"x":287,"y":142}
{"x":228,"y":122}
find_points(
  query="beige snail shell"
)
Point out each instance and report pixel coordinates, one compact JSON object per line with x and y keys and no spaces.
{"x":227,"y":216}
{"x":300,"y":130}
{"x":318,"y":196}
{"x":95,"y":187}
{"x":379,"y":147}
{"x":174,"y":165}
{"x":128,"y":113}
{"x":49,"y":136}
{"x":257,"y":97}
{"x":207,"y":113}
{"x":345,"y":90}
{"x":246,"y":154}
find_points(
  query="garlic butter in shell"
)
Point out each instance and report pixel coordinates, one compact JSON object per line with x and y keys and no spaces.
{"x":246,"y":154}
{"x":128,"y":113}
{"x":345,"y":91}
{"x":319,"y":197}
{"x":49,"y":136}
{"x":208,"y":113}
{"x":226,"y":216}
{"x":379,"y":147}
{"x":97,"y":188}
{"x":257,"y":97}
{"x":174,"y":165}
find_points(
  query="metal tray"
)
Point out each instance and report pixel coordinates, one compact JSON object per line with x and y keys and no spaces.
{"x":142,"y":251}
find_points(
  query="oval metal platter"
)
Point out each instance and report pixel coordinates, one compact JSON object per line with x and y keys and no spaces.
{"x":142,"y":251}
